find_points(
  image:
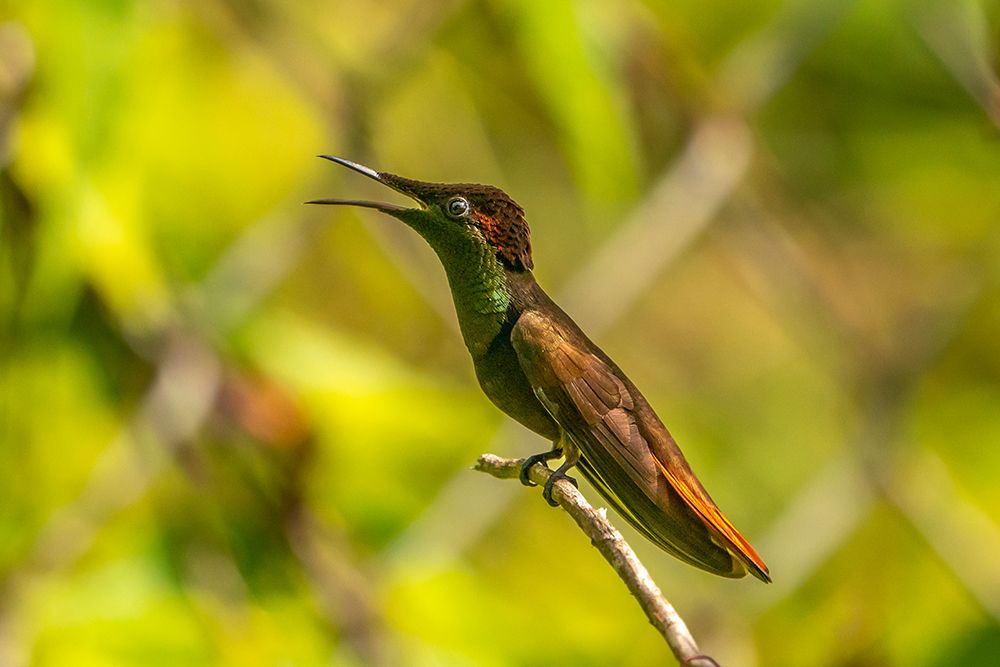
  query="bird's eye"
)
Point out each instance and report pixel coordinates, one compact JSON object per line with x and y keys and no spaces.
{"x":458,"y":207}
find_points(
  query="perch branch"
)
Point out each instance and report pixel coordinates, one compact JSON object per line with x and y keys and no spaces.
{"x":606,"y":538}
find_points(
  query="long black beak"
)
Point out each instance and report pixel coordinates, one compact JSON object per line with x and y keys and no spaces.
{"x":372,"y":174}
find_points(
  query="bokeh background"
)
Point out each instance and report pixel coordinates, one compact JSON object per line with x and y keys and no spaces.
{"x":236,"y":430}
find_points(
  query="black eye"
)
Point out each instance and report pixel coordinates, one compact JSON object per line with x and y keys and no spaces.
{"x":458,"y":207}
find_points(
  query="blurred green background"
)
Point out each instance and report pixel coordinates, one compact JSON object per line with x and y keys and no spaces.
{"x":236,"y":430}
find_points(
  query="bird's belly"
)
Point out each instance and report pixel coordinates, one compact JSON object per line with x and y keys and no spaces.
{"x":504,"y":383}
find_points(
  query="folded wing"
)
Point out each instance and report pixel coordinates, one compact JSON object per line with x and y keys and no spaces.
{"x":626,"y":451}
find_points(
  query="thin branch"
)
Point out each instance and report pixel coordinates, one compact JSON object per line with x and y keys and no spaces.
{"x":606,"y":538}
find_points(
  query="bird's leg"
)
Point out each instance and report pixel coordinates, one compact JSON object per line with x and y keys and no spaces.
{"x":544,"y":457}
{"x":572,"y":457}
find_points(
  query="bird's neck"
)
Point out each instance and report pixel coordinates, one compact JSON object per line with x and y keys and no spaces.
{"x":480,"y":289}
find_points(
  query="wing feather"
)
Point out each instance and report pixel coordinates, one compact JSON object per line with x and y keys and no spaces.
{"x":626,"y":451}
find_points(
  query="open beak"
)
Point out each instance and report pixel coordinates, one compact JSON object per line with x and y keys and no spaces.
{"x":389,"y":180}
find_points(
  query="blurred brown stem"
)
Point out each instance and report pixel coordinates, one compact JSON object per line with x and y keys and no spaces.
{"x":606,"y":538}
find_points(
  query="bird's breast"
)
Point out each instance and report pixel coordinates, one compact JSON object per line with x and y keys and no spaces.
{"x":504,"y":383}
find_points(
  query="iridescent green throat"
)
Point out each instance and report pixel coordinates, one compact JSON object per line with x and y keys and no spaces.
{"x":477,"y":278}
{"x":479,"y":288}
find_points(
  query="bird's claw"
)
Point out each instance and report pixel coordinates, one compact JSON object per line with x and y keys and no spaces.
{"x":550,"y":482}
{"x":532,"y":460}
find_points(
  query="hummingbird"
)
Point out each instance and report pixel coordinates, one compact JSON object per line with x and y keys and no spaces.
{"x":536,"y":365}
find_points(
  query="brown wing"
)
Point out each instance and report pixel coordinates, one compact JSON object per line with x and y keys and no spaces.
{"x":627,"y":452}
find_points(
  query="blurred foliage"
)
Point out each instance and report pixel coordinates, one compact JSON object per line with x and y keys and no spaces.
{"x":237,"y":431}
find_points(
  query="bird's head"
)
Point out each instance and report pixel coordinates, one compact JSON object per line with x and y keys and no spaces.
{"x":483,"y":213}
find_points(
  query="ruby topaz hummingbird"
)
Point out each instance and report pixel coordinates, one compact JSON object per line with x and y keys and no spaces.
{"x":535,"y":364}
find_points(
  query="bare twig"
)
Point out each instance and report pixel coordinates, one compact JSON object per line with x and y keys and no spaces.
{"x":606,"y":538}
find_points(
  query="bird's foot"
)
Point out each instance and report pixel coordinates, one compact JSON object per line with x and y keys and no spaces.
{"x":532,"y":460}
{"x":559,"y":474}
